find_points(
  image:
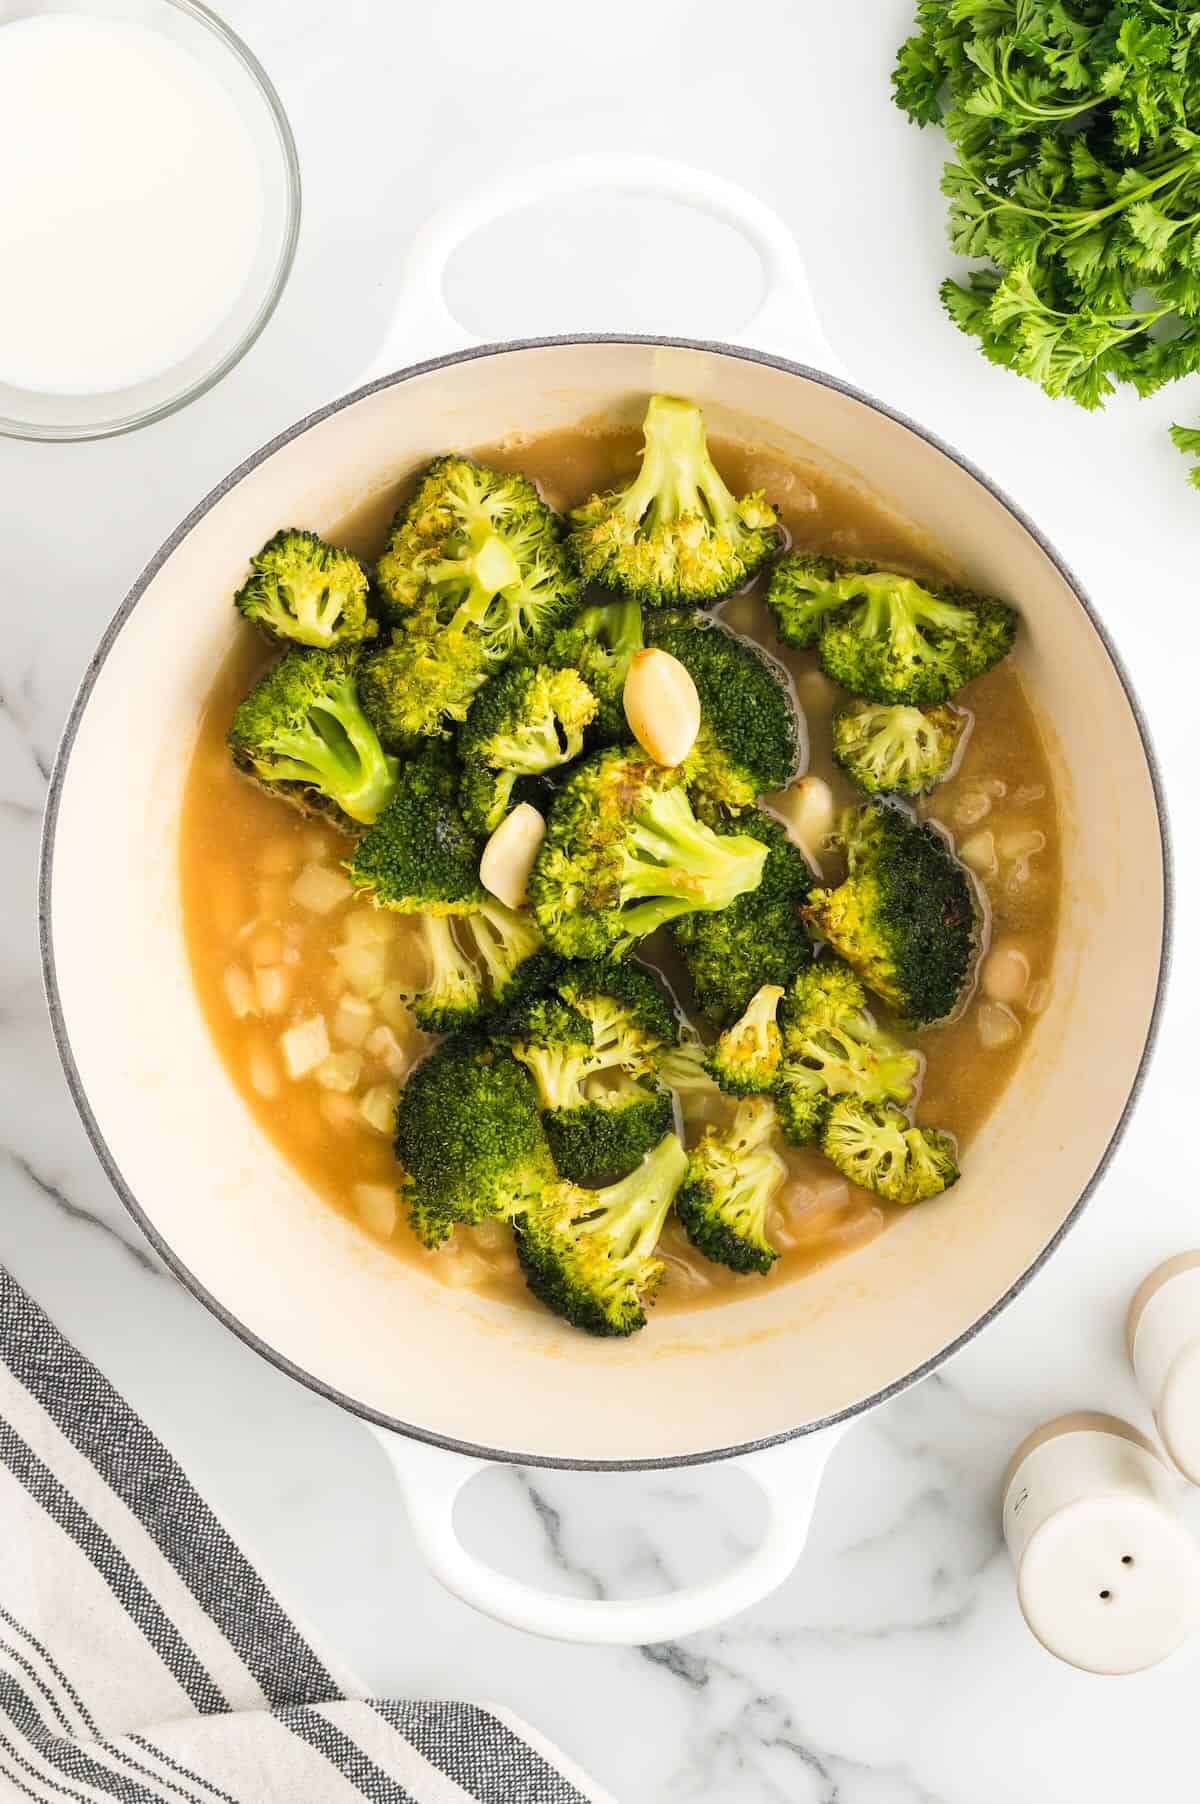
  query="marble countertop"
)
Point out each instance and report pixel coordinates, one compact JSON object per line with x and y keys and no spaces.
{"x":893,"y":1668}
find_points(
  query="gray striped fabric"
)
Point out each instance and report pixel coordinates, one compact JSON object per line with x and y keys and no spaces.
{"x":142,"y":1658}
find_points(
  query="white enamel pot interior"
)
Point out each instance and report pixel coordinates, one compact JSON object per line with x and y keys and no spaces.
{"x":449,"y":1369}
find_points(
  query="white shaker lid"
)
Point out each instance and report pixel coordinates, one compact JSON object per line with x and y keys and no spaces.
{"x":1163,"y":1333}
{"x":1107,"y":1578}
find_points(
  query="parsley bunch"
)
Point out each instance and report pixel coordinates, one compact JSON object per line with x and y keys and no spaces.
{"x":1076,"y":184}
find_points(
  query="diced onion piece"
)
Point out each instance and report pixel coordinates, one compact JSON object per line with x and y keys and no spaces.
{"x":459,"y":1267}
{"x":340,"y":1110}
{"x":279,"y":857}
{"x":392,"y":1004}
{"x":364,"y":968}
{"x":340,"y":1071}
{"x":1038,"y":997}
{"x":266,"y":948}
{"x":272,"y":985}
{"x":321,"y":889}
{"x":384,"y":1046}
{"x":376,"y":1205}
{"x":352,"y":1020}
{"x":379,"y":1107}
{"x":239,"y":991}
{"x":263,"y":1072}
{"x":369,"y":927}
{"x":316,"y":845}
{"x":272,"y":898}
{"x":979,"y":852}
{"x":996,"y":1026}
{"x":304,"y":1046}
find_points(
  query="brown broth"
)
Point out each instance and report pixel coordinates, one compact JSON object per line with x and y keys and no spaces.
{"x":241,"y":852}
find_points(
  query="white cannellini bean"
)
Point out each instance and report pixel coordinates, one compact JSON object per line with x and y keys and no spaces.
{"x":1004,"y":975}
{"x":1038,"y":997}
{"x":996,"y":1026}
{"x":304,"y":1046}
{"x":272,"y":984}
{"x":661,"y":706}
{"x":1020,"y":842}
{"x":353,"y":1020}
{"x":239,"y":991}
{"x":509,"y":854}
{"x":376,"y":1205}
{"x":807,"y":808}
{"x":320,"y":889}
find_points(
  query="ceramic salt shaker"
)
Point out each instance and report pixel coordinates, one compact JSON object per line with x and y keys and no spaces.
{"x":1163,"y":1334}
{"x":1108,"y":1579}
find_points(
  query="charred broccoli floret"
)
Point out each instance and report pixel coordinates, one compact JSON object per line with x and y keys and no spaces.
{"x":832,"y":1046}
{"x":591,"y":1047}
{"x":884,"y":636}
{"x":419,"y":857}
{"x":306,"y":591}
{"x":905,"y":916}
{"x":675,"y":534}
{"x":897,"y":750}
{"x":732,"y":1174}
{"x":302,"y":734}
{"x":469,"y":1138}
{"x":453,"y":994}
{"x":873,"y":1145}
{"x":749,"y":731}
{"x":474,"y":571}
{"x":588,"y":1255}
{"x":624,"y":853}
{"x":760,"y":938}
{"x":515,"y":956}
{"x":525,"y":720}
{"x":601,"y":642}
{"x":746,"y":1058}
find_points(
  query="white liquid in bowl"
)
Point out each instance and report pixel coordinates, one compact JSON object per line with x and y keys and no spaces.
{"x":131,"y":204}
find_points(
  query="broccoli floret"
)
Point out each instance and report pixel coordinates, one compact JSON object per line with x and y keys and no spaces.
{"x":829,"y":1032}
{"x":802,"y":1105}
{"x":685,"y":1068}
{"x":749,"y":729}
{"x":589,"y":1254}
{"x":304,"y":590}
{"x":453,"y":994}
{"x":873,"y":1146}
{"x":526,"y":720}
{"x":610,"y":1131}
{"x":675,"y":534}
{"x":905,"y":916}
{"x":885,"y":636}
{"x":515,"y":956}
{"x":624,"y":853}
{"x":469,"y":1138}
{"x":760,"y":938}
{"x":600,"y":642}
{"x":897,"y":749}
{"x":474,"y":571}
{"x":591,"y":1047}
{"x":419,"y":857}
{"x":302,"y":734}
{"x":732,"y":1175}
{"x":746,"y":1058}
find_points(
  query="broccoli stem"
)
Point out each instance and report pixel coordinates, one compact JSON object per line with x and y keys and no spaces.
{"x":342,"y":754}
{"x":630,"y":1214}
{"x":677,"y":475}
{"x":670,"y":854}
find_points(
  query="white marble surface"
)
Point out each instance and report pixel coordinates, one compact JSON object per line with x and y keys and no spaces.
{"x":893,"y":1668}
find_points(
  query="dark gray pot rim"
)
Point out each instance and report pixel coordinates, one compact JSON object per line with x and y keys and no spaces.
{"x":54,"y":1001}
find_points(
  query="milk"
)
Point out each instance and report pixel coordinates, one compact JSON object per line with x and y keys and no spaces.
{"x":131,"y":203}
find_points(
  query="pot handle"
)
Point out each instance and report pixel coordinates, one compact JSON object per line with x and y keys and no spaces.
{"x":788,"y":1477}
{"x":786,"y":321}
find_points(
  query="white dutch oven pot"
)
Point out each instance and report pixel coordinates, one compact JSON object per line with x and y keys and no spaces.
{"x":452,"y":1380}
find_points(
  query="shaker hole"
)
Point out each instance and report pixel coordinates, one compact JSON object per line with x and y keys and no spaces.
{"x":1106,"y":1597}
{"x":1127,"y":1559}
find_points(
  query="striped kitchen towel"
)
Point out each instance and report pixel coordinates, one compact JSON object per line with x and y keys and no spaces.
{"x":143,"y":1659}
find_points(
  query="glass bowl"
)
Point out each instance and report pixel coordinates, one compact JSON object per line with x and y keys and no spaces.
{"x":37,"y":414}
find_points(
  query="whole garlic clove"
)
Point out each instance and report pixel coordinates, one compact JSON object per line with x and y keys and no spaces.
{"x":509,"y":855}
{"x":661,"y":706}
